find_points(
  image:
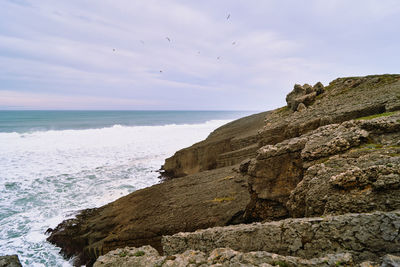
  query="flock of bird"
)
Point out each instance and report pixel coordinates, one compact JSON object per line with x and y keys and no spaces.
{"x":169,"y":40}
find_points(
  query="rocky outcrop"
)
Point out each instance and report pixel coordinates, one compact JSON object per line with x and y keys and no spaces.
{"x":303,"y":96}
{"x":292,"y":146}
{"x":226,"y":146}
{"x":365,"y":236}
{"x":224,"y":257}
{"x":212,"y":198}
{"x":10,"y":261}
{"x":335,"y":169}
{"x":323,"y":158}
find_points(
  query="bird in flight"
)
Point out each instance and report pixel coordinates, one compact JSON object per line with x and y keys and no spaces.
{"x":169,"y":40}
{"x":160,"y":71}
{"x":229,"y":15}
{"x":233,"y":43}
{"x":218,"y":58}
{"x":114,"y":49}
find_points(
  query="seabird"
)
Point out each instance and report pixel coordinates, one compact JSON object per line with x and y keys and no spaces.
{"x":229,"y":15}
{"x":160,"y":71}
{"x":169,"y":40}
{"x":218,"y":57}
{"x":233,"y":43}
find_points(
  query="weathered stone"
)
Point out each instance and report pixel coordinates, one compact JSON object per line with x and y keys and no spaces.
{"x":10,"y":261}
{"x":290,"y":175}
{"x":240,"y":136}
{"x":301,"y":107}
{"x":212,"y":198}
{"x":224,"y":257}
{"x":366,"y":236}
{"x":390,"y":261}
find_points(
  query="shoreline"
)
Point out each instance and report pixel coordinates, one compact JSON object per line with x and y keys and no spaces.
{"x":261,"y":168}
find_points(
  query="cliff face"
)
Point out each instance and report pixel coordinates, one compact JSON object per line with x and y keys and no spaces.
{"x":322,"y":135}
{"x":331,"y":151}
{"x":226,"y":146}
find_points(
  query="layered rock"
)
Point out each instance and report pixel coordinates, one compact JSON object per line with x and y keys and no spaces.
{"x":366,"y":236}
{"x":198,"y":201}
{"x":226,"y":146}
{"x":224,"y":257}
{"x":315,"y":161}
{"x":293,"y":142}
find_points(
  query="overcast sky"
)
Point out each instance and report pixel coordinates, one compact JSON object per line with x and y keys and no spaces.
{"x":221,"y":54}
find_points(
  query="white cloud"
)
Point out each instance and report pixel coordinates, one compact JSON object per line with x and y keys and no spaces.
{"x":116,"y":49}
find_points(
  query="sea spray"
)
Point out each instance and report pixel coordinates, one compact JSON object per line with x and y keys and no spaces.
{"x":47,"y":176}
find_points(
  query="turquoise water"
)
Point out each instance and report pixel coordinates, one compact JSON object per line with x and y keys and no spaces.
{"x":28,"y":121}
{"x":55,"y":163}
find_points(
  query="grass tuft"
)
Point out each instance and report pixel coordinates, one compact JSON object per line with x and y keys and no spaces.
{"x":139,"y":253}
{"x":376,"y":116}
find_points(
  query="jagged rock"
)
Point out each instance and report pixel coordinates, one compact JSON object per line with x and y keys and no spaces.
{"x":366,"y":236}
{"x":10,"y":261}
{"x":196,"y":201}
{"x":308,"y":163}
{"x":224,"y":257}
{"x":363,"y":179}
{"x":304,"y":95}
{"x":292,"y":170}
{"x":390,"y":261}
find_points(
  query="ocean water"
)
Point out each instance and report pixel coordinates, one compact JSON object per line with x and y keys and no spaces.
{"x":55,"y":163}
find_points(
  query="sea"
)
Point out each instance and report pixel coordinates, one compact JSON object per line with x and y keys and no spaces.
{"x":55,"y":163}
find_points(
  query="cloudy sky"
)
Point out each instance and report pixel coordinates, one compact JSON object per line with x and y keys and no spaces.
{"x":115,"y":54}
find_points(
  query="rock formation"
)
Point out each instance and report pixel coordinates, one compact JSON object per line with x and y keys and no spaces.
{"x":10,"y":261}
{"x":333,"y":151}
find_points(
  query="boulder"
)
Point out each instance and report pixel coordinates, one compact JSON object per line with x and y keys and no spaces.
{"x":10,"y":261}
{"x":305,"y":95}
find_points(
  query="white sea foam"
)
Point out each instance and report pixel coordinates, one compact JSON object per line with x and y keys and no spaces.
{"x":47,"y":176}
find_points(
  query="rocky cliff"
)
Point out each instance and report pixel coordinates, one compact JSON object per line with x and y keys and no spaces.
{"x":331,"y":151}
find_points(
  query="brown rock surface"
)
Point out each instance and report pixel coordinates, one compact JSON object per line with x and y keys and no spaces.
{"x":239,"y":137}
{"x":367,"y":236}
{"x":197,"y":201}
{"x":295,"y":141}
{"x":312,"y":162}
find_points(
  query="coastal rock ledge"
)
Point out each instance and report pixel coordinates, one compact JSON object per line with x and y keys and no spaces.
{"x":314,"y":183}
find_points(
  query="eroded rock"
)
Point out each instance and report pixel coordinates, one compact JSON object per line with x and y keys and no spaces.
{"x":366,"y":236}
{"x":10,"y":261}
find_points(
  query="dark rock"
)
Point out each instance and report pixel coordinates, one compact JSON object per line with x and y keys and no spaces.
{"x":10,"y":261}
{"x":210,"y":198}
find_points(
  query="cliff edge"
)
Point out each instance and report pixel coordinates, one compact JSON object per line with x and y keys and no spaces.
{"x":331,"y":151}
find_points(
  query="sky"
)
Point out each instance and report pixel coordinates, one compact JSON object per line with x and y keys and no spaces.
{"x":187,"y":54}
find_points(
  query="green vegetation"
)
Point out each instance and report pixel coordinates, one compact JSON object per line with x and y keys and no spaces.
{"x":376,"y":116}
{"x":372,"y":146}
{"x":139,"y":253}
{"x":282,"y":109}
{"x":123,"y":253}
